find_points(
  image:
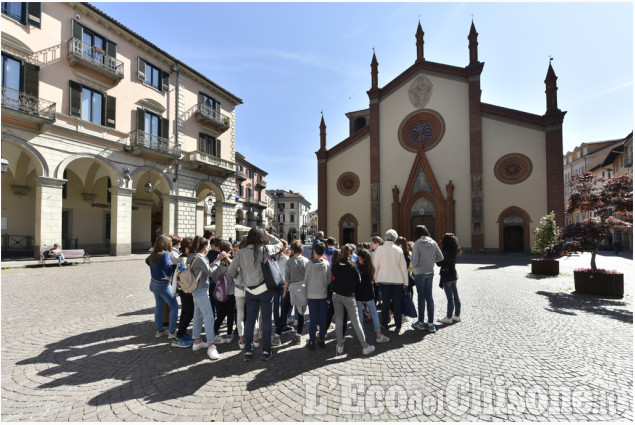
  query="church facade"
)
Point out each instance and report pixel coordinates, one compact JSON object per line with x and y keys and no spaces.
{"x":428,"y":151}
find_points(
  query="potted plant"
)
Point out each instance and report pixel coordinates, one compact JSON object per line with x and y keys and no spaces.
{"x":546,"y":235}
{"x":611,"y":205}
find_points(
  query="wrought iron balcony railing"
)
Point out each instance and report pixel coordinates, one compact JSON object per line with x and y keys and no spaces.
{"x":95,"y":57}
{"x":150,"y":141}
{"x":20,"y":101}
{"x":205,"y":158}
{"x":210,"y":115}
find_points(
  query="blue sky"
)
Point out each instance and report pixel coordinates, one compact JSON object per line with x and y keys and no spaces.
{"x":289,"y":61}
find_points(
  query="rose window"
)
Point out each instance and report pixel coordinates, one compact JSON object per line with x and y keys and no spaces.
{"x":348,"y":183}
{"x":421,"y":132}
{"x":513,"y":168}
{"x":422,"y":129}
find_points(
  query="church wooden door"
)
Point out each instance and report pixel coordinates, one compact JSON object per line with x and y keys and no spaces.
{"x":426,"y":220}
{"x":513,"y":240}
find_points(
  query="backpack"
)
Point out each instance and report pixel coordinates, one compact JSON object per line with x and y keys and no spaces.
{"x":220,"y":292}
{"x":188,"y":281}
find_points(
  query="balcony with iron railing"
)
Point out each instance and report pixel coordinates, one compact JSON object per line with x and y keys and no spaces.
{"x":203,"y":160}
{"x":253,"y":201}
{"x":150,"y":143}
{"x":208,"y":115}
{"x":24,"y":107}
{"x":261,"y":183}
{"x":94,"y":58}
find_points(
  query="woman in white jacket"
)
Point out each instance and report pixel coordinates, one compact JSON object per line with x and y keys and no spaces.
{"x":391,"y":274}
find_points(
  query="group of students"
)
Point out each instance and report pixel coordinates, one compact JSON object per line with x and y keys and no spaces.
{"x":345,"y":284}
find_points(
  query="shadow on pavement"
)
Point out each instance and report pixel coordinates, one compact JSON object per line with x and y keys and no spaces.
{"x":143,"y":312}
{"x":568,"y":303}
{"x":540,"y":276}
{"x":150,"y":370}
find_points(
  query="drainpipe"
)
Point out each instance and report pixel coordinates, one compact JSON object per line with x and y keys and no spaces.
{"x":175,"y":69}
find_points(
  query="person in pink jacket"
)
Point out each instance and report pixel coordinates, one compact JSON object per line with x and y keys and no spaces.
{"x":391,"y":274}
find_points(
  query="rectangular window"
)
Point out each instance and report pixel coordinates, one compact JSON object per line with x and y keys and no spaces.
{"x":92,"y":106}
{"x":281,"y":206}
{"x":248,"y":192}
{"x":209,"y":145}
{"x":11,"y":75}
{"x":15,"y":10}
{"x":153,"y":76}
{"x":93,"y":47}
{"x":211,"y":106}
{"x":292,"y":206}
{"x":240,"y":190}
{"x":151,"y":127}
{"x":292,"y":218}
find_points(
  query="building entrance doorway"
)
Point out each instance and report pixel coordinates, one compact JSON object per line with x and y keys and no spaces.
{"x":426,"y":220}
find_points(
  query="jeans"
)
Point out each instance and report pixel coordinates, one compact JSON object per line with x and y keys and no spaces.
{"x":341,"y":304}
{"x":453,"y":298}
{"x":317,"y":316}
{"x":203,"y":313}
{"x":255,"y":303}
{"x":277,"y":300}
{"x":388,"y":293}
{"x":372,"y":309}
{"x":423,"y":283}
{"x":162,"y":295}
{"x":60,"y":258}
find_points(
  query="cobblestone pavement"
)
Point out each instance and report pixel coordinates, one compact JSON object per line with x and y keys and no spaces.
{"x":78,"y":345}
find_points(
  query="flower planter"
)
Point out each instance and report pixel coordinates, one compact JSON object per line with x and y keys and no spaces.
{"x":608,"y":284}
{"x":550,"y":267}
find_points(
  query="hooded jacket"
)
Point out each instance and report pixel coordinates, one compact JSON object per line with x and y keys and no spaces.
{"x":425,"y":254}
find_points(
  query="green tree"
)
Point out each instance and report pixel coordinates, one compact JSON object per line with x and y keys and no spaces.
{"x":546,"y":233}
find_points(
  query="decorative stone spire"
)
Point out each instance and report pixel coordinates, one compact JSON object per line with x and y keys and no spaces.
{"x":551,"y":90}
{"x":374,"y":72}
{"x":473,"y":45}
{"x":322,"y":134}
{"x":419,"y":37}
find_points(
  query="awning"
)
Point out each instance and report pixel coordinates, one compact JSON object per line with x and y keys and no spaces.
{"x":241,"y":228}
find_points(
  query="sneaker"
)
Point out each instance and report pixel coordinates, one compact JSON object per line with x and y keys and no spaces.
{"x":266,"y":355}
{"x":160,"y":333}
{"x":420,"y":326}
{"x":229,"y":338}
{"x":257,"y":344}
{"x":181,"y":343}
{"x":241,"y":344}
{"x":368,"y":349}
{"x":310,"y":345}
{"x":321,"y":343}
{"x":275,"y":340}
{"x":446,"y":321}
{"x":287,"y":329}
{"x":248,"y":356}
{"x":456,"y":318}
{"x":172,"y":335}
{"x":339,"y":349}
{"x":431,"y":328}
{"x":212,"y":352}
{"x":199,"y":346}
{"x":297,"y":339}
{"x":220,"y":340}
{"x":382,"y":339}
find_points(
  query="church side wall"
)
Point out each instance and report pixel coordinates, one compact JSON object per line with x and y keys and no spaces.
{"x":449,"y":160}
{"x":499,"y":139}
{"x":355,"y":159}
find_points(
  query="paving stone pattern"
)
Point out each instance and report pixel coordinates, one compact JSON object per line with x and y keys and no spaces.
{"x":78,"y":345}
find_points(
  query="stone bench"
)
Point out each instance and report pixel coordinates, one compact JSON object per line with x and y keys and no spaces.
{"x":69,"y":254}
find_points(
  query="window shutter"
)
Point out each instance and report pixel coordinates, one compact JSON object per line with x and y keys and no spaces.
{"x":76,"y":99}
{"x":31,"y":80}
{"x":218,"y":148}
{"x":76,"y":29}
{"x":165,"y":80}
{"x":141,"y":69}
{"x":201,"y":142}
{"x":111,"y":48}
{"x":141,"y":119}
{"x":111,"y":104}
{"x":200,"y":98}
{"x":35,"y":14}
{"x":165,"y":128}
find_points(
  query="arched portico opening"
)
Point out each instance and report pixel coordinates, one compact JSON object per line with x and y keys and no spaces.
{"x":348,"y":229}
{"x":513,"y":230}
{"x":150,"y":208}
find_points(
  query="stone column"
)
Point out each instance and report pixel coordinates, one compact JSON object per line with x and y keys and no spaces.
{"x":48,"y":213}
{"x":225,"y":220}
{"x":167,"y":223}
{"x":186,"y":224}
{"x":121,"y":221}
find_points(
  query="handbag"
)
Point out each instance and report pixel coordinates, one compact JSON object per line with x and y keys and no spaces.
{"x":271,"y":272}
{"x":407,"y":306}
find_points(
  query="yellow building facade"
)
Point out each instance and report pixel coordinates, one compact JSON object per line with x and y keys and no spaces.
{"x":110,"y":141}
